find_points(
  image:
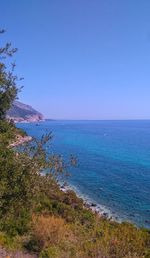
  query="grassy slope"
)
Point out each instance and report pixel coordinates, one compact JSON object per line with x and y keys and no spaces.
{"x":62,"y":227}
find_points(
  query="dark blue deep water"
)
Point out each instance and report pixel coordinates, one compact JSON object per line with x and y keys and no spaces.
{"x":113,"y":163}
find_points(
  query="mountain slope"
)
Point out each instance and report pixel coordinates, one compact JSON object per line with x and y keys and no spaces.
{"x":20,"y":112}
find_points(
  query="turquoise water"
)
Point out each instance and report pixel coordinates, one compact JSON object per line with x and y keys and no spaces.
{"x":113,"y":163}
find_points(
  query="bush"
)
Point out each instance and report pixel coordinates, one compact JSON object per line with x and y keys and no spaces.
{"x":50,"y":252}
{"x":49,"y":230}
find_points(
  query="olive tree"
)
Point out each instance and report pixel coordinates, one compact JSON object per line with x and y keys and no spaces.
{"x":8,"y":80}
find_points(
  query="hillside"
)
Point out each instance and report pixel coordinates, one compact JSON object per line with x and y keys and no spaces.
{"x":20,"y":112}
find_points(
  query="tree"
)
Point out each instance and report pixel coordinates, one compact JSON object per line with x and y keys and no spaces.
{"x":22,"y":182}
{"x":8,"y":80}
{"x":21,"y":172}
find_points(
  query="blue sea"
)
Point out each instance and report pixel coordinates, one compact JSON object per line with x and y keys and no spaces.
{"x":113,"y":168}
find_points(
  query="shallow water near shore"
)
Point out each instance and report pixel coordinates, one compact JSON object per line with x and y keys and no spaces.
{"x":113,"y":169}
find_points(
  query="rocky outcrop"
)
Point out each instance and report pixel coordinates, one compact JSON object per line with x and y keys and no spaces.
{"x":20,"y":140}
{"x":20,"y":112}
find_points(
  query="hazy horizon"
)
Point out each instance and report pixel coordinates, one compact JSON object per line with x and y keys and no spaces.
{"x":82,"y":60}
{"x":67,"y":119}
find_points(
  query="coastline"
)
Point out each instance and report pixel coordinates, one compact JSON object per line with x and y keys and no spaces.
{"x":100,"y":209}
{"x":89,"y":204}
{"x":20,"y":140}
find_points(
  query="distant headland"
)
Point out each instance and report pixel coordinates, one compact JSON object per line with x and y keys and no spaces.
{"x":20,"y":112}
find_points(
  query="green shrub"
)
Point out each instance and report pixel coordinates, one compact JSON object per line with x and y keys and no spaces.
{"x":50,"y":252}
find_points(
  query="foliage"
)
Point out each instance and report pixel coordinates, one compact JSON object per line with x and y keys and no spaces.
{"x":9,"y":133}
{"x":51,"y":251}
{"x":49,"y":230}
{"x":8,"y":81}
{"x":21,"y":183}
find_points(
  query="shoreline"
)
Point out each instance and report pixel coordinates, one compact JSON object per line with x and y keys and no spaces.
{"x":88,"y":203}
{"x":20,"y":140}
{"x":100,"y":209}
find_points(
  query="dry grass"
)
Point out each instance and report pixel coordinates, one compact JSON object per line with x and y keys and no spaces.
{"x":49,"y":230}
{"x":78,"y":241}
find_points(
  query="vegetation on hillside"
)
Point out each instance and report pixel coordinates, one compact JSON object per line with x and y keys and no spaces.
{"x":37,"y":216}
{"x":8,"y":80}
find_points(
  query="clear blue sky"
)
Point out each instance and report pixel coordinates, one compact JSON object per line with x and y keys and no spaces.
{"x":82,"y":59}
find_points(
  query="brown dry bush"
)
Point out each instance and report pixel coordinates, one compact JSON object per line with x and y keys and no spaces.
{"x":50,"y":230}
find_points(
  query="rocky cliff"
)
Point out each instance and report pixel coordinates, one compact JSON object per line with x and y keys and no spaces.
{"x":20,"y":112}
